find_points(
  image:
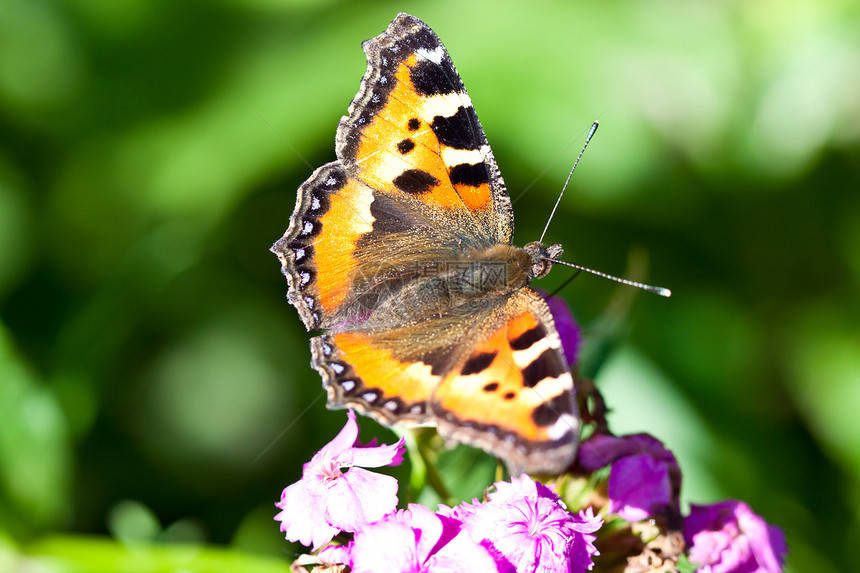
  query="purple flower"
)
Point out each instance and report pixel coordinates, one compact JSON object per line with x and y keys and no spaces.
{"x":565,"y":324}
{"x":527,"y":525}
{"x":328,"y":500}
{"x":643,"y":474}
{"x":728,"y":537}
{"x":417,"y":541}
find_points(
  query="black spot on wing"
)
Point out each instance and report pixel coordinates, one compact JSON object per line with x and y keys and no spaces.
{"x":395,"y":406}
{"x":388,"y":217}
{"x":439,"y":360}
{"x":471,"y":174}
{"x":311,"y":227}
{"x":301,"y":250}
{"x":529,"y":337}
{"x":419,"y":34}
{"x":331,"y":179}
{"x":459,"y":131}
{"x":548,"y":413}
{"x":415,"y":181}
{"x":318,"y":205}
{"x":405,"y":146}
{"x":371,"y":396}
{"x":413,"y":124}
{"x":315,"y":202}
{"x":547,"y":365}
{"x":478,"y":363}
{"x":430,"y":78}
{"x":491,"y":387}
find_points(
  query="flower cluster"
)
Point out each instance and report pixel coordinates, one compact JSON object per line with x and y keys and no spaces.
{"x":644,"y":482}
{"x":522,"y":526}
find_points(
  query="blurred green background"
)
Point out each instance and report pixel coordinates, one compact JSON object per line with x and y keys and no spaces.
{"x":154,"y":382}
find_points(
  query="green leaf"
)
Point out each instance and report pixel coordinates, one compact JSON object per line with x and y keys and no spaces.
{"x":34,"y":461}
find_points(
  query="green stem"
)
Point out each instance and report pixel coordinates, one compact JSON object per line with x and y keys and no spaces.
{"x":423,"y":473}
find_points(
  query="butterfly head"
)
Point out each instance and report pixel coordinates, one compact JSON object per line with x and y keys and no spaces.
{"x":541,"y":258}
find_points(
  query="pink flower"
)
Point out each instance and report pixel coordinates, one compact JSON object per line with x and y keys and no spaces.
{"x":335,"y":554}
{"x":521,"y":487}
{"x":526,"y":524}
{"x":328,"y":500}
{"x":642,"y":477}
{"x":728,"y":537}
{"x":417,"y":541}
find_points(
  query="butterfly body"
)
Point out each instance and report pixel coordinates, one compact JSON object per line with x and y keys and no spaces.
{"x":400,"y":253}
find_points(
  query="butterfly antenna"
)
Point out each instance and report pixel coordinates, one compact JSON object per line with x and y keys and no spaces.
{"x":569,"y":175}
{"x":655,"y":289}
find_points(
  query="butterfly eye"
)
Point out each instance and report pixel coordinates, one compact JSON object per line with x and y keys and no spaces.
{"x":541,"y":267}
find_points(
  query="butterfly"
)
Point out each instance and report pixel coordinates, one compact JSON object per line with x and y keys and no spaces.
{"x":399,"y":253}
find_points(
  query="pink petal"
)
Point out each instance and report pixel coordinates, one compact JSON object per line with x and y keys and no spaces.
{"x":461,"y":554}
{"x":373,"y":457}
{"x":359,"y":497}
{"x":341,"y":443}
{"x":586,"y":522}
{"x":582,"y":550}
{"x":458,"y":512}
{"x":728,"y":537}
{"x":767,"y":541}
{"x":302,"y":515}
{"x":430,"y":526}
{"x":335,"y":554}
{"x":386,"y":546}
{"x":519,"y":488}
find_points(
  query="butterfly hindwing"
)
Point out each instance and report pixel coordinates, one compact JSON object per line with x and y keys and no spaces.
{"x":500,"y":383}
{"x":512,"y":393}
{"x":359,"y":373}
